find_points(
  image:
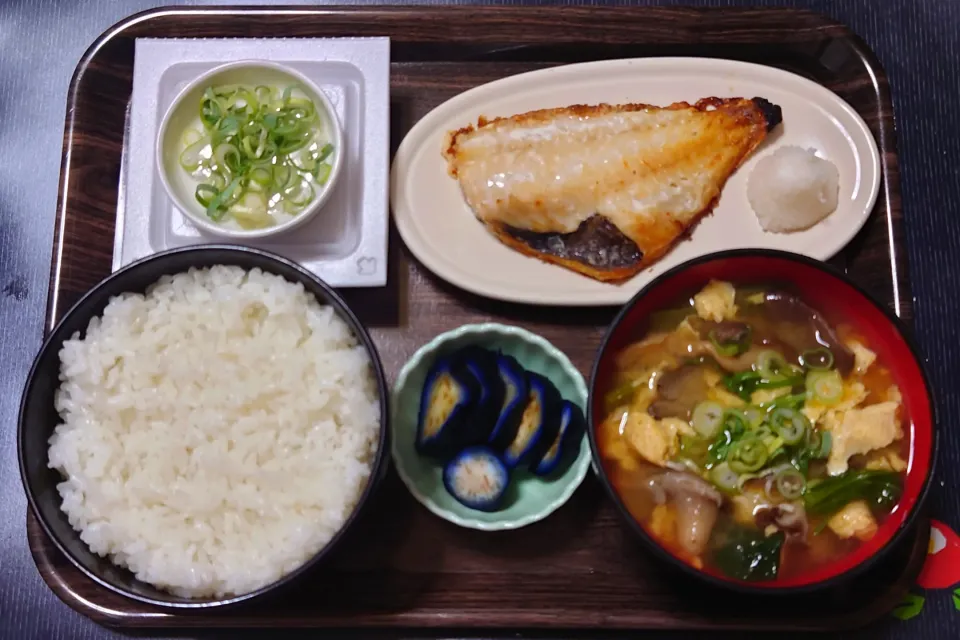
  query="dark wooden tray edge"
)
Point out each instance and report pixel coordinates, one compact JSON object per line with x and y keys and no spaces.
{"x":890,"y":168}
{"x":902,"y":297}
{"x":450,"y":625}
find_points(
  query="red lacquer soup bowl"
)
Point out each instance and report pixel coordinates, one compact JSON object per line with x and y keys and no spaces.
{"x":838,"y":300}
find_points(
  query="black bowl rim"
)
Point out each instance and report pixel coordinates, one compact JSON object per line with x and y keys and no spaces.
{"x":376,"y":470}
{"x":745,"y":587}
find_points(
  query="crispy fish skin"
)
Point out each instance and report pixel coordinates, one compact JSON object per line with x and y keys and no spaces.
{"x":608,"y":188}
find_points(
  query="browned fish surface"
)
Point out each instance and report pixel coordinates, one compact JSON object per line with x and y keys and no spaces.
{"x":604,"y":190}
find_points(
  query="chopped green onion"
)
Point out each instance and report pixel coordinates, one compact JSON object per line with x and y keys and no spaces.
{"x":774,"y":446}
{"x":826,"y":387}
{"x":747,"y":455}
{"x":322,"y":173}
{"x":218,"y":206}
{"x":794,"y":401}
{"x":192,"y":155}
{"x":254,"y":146}
{"x":261,"y":176}
{"x":286,"y":125}
{"x":734,"y":428}
{"x":731,"y":347}
{"x":819,"y":444}
{"x":789,"y":424}
{"x":244,"y":155}
{"x":210,"y":110}
{"x":763,"y":431}
{"x":288,"y":143}
{"x":218,"y":180}
{"x":299,"y":113}
{"x":707,"y":418}
{"x":325,"y":152}
{"x":790,"y":483}
{"x":283,"y":177}
{"x":745,"y":383}
{"x":303,"y":104}
{"x":694,"y":448}
{"x":226,"y":90}
{"x":190,"y":136}
{"x":770,"y":364}
{"x":263,"y":93}
{"x":225,"y":128}
{"x":734,"y":421}
{"x":244,"y":101}
{"x":299,"y":195}
{"x":725,"y":478}
{"x":820,"y":359}
{"x":306,"y":164}
{"x":205,"y":194}
{"x":754,"y":416}
{"x":728,"y":349}
{"x":826,"y":445}
{"x":228,"y":156}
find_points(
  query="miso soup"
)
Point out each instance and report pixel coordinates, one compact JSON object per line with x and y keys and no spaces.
{"x":751,"y":436}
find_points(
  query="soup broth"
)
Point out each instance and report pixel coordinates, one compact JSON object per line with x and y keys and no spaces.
{"x":752,"y":437}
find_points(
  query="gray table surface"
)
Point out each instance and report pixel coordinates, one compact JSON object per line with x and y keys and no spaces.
{"x":918,"y":42}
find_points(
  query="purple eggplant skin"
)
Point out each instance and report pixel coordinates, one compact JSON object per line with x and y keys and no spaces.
{"x":480,"y":364}
{"x":539,"y":425}
{"x":491,"y":496}
{"x":566,"y":446}
{"x":516,"y":395}
{"x":443,"y":441}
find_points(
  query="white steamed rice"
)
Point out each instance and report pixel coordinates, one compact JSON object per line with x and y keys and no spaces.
{"x":217,"y":431}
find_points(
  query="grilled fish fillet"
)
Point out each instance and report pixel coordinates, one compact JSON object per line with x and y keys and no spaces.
{"x":603,"y":190}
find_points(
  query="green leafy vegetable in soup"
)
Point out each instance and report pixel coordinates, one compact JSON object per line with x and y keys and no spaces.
{"x":259,"y":154}
{"x":879,"y":488}
{"x":750,"y":555}
{"x":758,"y":431}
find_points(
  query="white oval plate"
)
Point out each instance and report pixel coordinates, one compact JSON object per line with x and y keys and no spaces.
{"x":442,"y":232}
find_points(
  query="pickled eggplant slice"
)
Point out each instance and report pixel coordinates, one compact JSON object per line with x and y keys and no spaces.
{"x":446,"y":405}
{"x":481,"y":365}
{"x":566,"y":445}
{"x":539,"y":424}
{"x":515,"y":396}
{"x":475,"y":353}
{"x":477,"y":478}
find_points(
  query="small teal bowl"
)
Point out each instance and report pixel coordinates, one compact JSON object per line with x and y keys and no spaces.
{"x":529,"y":498}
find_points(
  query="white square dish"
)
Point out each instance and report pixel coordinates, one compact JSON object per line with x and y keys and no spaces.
{"x":346,"y":243}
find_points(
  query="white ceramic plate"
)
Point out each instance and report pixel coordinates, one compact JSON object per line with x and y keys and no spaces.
{"x":442,"y":232}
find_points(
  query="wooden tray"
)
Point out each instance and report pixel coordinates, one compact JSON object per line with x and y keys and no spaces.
{"x":405,"y":568}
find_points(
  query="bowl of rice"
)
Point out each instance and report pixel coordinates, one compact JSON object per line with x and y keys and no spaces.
{"x":203,"y":427}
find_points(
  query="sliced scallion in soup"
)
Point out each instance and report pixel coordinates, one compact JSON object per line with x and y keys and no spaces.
{"x":752,"y":437}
